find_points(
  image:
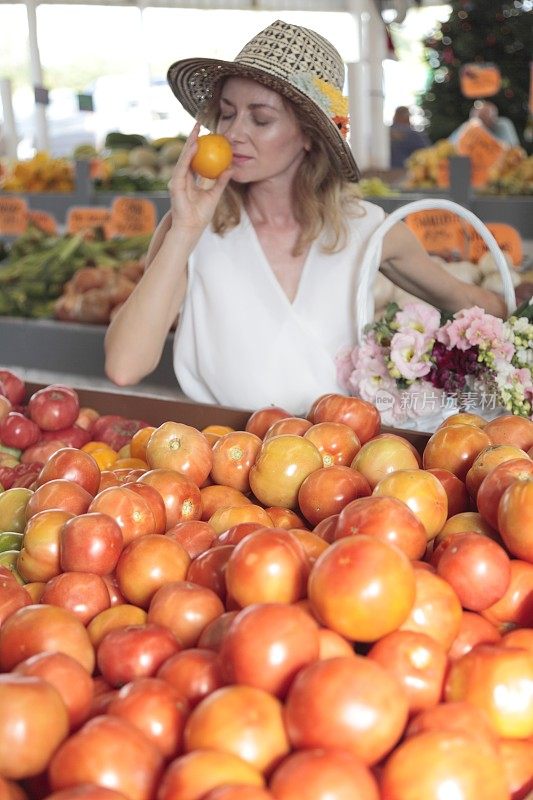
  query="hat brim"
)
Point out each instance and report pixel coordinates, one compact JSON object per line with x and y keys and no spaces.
{"x":192,"y":81}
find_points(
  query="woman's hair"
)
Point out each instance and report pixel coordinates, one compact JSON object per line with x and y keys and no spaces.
{"x":324,"y":197}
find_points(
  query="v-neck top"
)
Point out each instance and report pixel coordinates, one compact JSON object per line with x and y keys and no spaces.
{"x":241,"y":342}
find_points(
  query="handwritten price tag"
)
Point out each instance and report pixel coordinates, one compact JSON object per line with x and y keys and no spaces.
{"x":480,"y":80}
{"x":45,"y":221}
{"x":86,"y":218}
{"x":132,"y":216}
{"x":440,"y":232}
{"x":483,"y":149}
{"x":13,"y":216}
{"x":507,"y":237}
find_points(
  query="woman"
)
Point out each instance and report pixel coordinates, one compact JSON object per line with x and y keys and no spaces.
{"x":262,"y":265}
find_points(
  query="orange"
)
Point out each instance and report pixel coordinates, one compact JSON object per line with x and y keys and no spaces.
{"x":213,"y":155}
{"x":139,"y":441}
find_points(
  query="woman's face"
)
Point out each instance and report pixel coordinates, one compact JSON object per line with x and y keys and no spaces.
{"x":265,"y":136}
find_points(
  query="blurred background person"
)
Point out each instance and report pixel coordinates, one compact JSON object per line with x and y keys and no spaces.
{"x":404,"y":139}
{"x":488,"y":115}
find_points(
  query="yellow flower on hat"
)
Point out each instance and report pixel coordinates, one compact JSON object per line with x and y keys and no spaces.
{"x":338,"y":103}
{"x":330,"y":99}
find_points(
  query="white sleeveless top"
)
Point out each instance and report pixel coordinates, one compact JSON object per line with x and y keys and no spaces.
{"x":240,"y":341}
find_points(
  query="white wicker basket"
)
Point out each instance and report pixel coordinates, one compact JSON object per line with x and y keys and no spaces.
{"x":370,"y":266}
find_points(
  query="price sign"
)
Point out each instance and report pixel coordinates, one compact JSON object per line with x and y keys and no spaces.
{"x":480,"y":80}
{"x":508,"y":238}
{"x":86,"y":218}
{"x":132,"y":216}
{"x":483,"y":149}
{"x":439,"y":231}
{"x":45,"y":221}
{"x":13,"y":216}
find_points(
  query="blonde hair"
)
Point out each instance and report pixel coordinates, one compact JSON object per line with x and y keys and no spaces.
{"x":324,"y":198}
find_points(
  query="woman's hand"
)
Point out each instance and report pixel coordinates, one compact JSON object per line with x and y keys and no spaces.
{"x":193,"y":199}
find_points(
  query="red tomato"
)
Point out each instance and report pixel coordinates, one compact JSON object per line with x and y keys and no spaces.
{"x":129,"y":510}
{"x":496,"y":482}
{"x":83,"y":593}
{"x":327,"y":528}
{"x":194,"y":536}
{"x":18,"y":431}
{"x":214,"y":632}
{"x":362,"y":588}
{"x":361,"y":416}
{"x":184,"y":608}
{"x":261,"y":420}
{"x":148,"y":563}
{"x":280,"y":468}
{"x":236,"y":534}
{"x":154,"y":707}
{"x":436,"y":610}
{"x":116,"y":431}
{"x":239,"y":793}
{"x":456,"y":717}
{"x":312,"y":545}
{"x":241,"y":720}
{"x":464,"y":418}
{"x":333,"y":645}
{"x":180,"y":447}
{"x":515,"y":518}
{"x":193,"y":673}
{"x":195,"y":774}
{"x":477,"y":568}
{"x":296,"y":426}
{"x":315,"y":774}
{"x":511,"y":429}
{"x":90,"y":543}
{"x":515,"y":608}
{"x":337,"y":443}
{"x":455,"y":447}
{"x":267,"y":644}
{"x":39,"y":556}
{"x":209,"y":569}
{"x":519,"y":637}
{"x":117,"y":616}
{"x":215,"y":497}
{"x":499,"y":680}
{"x":72,"y":681}
{"x":233,"y":455}
{"x":517,"y":759}
{"x":268,"y":566}
{"x":474,"y":629}
{"x":142,"y":648}
{"x":382,"y":456}
{"x":486,"y":461}
{"x":12,"y":386}
{"x":33,"y":722}
{"x":435,"y":762}
{"x":422,"y":492}
{"x":12,"y":597}
{"x":350,"y":704}
{"x":386,"y":518}
{"x":37,"y":628}
{"x":230,"y":516}
{"x":284,"y":518}
{"x":54,"y":407}
{"x":87,"y":791}
{"x":458,"y":499}
{"x":154,"y":499}
{"x":61,"y":494}
{"x":328,"y":490}
{"x":466,"y":522}
{"x":110,"y":752}
{"x":181,"y":495}
{"x":72,"y":465}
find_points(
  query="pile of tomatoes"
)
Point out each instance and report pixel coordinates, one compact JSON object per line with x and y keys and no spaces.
{"x":308,"y":609}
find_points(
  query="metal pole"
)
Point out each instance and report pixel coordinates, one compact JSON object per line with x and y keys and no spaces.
{"x":42,"y":141}
{"x":10,"y":128}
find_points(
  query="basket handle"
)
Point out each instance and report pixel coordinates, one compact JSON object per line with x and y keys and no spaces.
{"x":364,"y":301}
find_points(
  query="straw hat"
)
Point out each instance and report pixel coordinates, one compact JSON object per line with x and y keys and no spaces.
{"x":293,"y":61}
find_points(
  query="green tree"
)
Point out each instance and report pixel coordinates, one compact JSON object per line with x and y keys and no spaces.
{"x":479,"y":31}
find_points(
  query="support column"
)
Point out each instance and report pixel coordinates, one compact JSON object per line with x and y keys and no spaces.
{"x":42,"y":141}
{"x":9,"y":133}
{"x":380,"y":138}
{"x":358,"y":95}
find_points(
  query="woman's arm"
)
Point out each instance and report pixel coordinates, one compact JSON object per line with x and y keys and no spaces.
{"x":405,"y":262}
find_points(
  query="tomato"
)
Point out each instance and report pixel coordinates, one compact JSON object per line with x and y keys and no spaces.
{"x":456,"y":717}
{"x":33,"y":722}
{"x":337,"y":443}
{"x":61,"y":494}
{"x":72,"y":681}
{"x":511,"y":429}
{"x":241,"y":720}
{"x":209,"y":569}
{"x":40,"y":453}
{"x":328,"y":490}
{"x":228,"y":517}
{"x":267,"y":644}
{"x":233,"y":455}
{"x":12,"y":597}
{"x":238,"y":793}
{"x":90,"y":543}
{"x":267,"y":566}
{"x":129,"y":510}
{"x":297,"y":426}
{"x":86,"y":791}
{"x":213,"y":155}
{"x":116,"y":431}
{"x":362,"y":588}
{"x":261,"y":420}
{"x":193,"y":673}
{"x":86,"y":418}
{"x":39,"y":557}
{"x":360,"y":415}
{"x":280,"y":468}
{"x":18,"y":431}
{"x":515,"y":608}
{"x":458,"y":499}
{"x":36,"y":628}
{"x":185,"y":609}
{"x":54,"y":407}
{"x":146,"y":564}
{"x":474,"y":629}
{"x":455,"y":447}
{"x":382,"y":456}
{"x":181,"y":496}
{"x":465,"y":522}
{"x":214,"y":632}
{"x":517,"y":759}
{"x":438,"y":762}
{"x":515,"y":518}
{"x":115,"y":595}
{"x":5,"y":407}
{"x":422,"y":492}
{"x":333,"y":645}
{"x":12,"y":386}
{"x":82,"y":593}
{"x":110,"y":752}
{"x":193,"y":775}
{"x":486,"y":461}
{"x":154,"y":707}
{"x":285,"y":518}
{"x":142,"y":648}
{"x":464,"y":418}
{"x":519,"y":637}
{"x":313,"y":545}
{"x":496,"y":482}
{"x":73,"y":436}
{"x":436,"y":610}
{"x":180,"y":447}
{"x":386,"y":518}
{"x":139,"y":442}
{"x":194,"y":536}
{"x":499,"y":680}
{"x":316,"y":774}
{"x":350,"y":704}
{"x":74,"y":465}
{"x":215,"y":497}
{"x":118,"y":616}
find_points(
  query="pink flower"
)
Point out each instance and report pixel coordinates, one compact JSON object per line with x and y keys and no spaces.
{"x":454,"y":332}
{"x":344,"y":365}
{"x":407,"y":350}
{"x":419,"y":317}
{"x":489,"y":332}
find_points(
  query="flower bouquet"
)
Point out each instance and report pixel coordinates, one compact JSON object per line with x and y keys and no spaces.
{"x":418,"y":366}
